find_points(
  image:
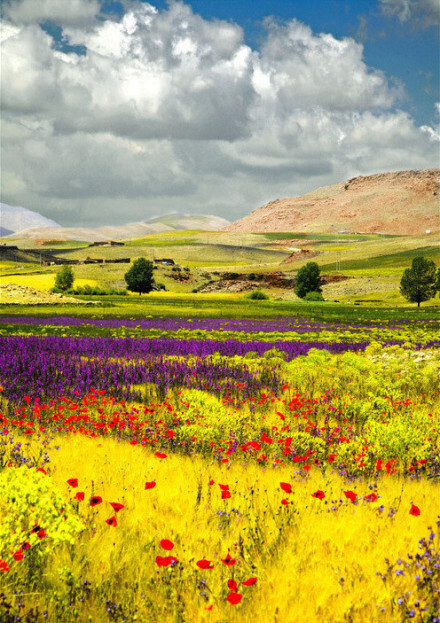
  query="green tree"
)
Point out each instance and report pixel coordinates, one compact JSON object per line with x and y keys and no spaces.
{"x":307,"y":280}
{"x":418,"y":283}
{"x":438,"y":281}
{"x":64,"y":278}
{"x":140,"y":276}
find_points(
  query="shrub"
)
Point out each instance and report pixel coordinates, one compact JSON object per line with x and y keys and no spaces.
{"x":257,"y":295}
{"x":313,"y":296}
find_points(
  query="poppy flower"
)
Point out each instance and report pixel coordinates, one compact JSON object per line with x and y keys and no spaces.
{"x":205,"y":564}
{"x":250,"y":582}
{"x":226,"y":495}
{"x":285,"y":502}
{"x":286,"y":487}
{"x":378,"y":465}
{"x":351,"y":495}
{"x":209,"y":608}
{"x":234,"y":598}
{"x":320,"y":495}
{"x":73,"y":482}
{"x":112,"y":521}
{"x":150,"y":485}
{"x":160,"y":455}
{"x":41,"y":534}
{"x":116,"y":506}
{"x":167,"y":544}
{"x":371,"y":498}
{"x":79,"y":496}
{"x":224,"y":487}
{"x":165,"y":561}
{"x":25,"y":545}
{"x":18,"y":555}
{"x":228,"y":561}
{"x":3,"y":565}
{"x":95,"y":500}
{"x":232,"y":584}
{"x":211,"y":482}
{"x":414,"y":510}
{"x":43,"y":471}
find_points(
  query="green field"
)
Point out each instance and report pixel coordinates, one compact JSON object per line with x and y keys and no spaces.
{"x":373,"y":264}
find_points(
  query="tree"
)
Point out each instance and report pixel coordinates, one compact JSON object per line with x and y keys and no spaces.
{"x":140,"y":276}
{"x":307,"y":280}
{"x":418,"y":283}
{"x":438,"y":281}
{"x":64,"y":278}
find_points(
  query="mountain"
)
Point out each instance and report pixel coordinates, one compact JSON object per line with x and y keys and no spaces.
{"x":402,"y":203}
{"x":169,"y":222}
{"x":15,"y":218}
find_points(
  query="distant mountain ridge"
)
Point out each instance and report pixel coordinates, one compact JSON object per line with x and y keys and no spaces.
{"x":16,"y":218}
{"x":401,"y":203}
{"x":168,"y":222}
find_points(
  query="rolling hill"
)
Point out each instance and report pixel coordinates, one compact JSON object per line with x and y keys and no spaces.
{"x":401,"y":203}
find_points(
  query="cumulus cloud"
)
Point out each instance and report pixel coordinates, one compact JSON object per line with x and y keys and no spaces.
{"x":169,"y":111}
{"x":73,"y":12}
{"x":425,"y":12}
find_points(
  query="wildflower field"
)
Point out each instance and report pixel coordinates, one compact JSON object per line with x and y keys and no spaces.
{"x":183,"y":470}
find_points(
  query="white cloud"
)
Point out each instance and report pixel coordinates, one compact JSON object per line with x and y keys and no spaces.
{"x":168,"y":111}
{"x":70,"y":12}
{"x":425,"y":12}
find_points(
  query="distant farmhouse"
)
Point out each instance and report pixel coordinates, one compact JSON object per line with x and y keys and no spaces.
{"x":166,"y":261}
{"x":107,"y":243}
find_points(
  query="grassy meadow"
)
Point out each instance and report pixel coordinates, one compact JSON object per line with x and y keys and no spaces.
{"x":183,"y":457}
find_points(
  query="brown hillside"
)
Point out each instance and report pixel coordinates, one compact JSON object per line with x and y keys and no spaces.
{"x":403,"y":202}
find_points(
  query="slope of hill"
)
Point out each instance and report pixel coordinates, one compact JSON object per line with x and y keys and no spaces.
{"x":15,"y":218}
{"x":402,"y":203}
{"x":170,"y":222}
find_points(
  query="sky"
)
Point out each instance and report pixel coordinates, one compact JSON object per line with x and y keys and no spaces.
{"x":120,"y":111}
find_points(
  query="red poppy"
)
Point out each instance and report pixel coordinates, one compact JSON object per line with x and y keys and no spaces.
{"x":116,"y":506}
{"x":112,"y":521}
{"x":160,"y":455}
{"x":228,"y":560}
{"x":351,"y":495}
{"x":232,"y":584}
{"x":224,"y":487}
{"x":211,"y":482}
{"x":285,"y":502}
{"x":3,"y":565}
{"x":234,"y":598}
{"x":43,"y":471}
{"x":18,"y":555}
{"x":150,"y":485}
{"x":320,"y":495}
{"x":41,"y":534}
{"x":414,"y":510}
{"x":209,"y":608}
{"x":371,"y":498}
{"x":225,"y":495}
{"x":164,"y":561}
{"x":73,"y":482}
{"x":205,"y":564}
{"x":79,"y":496}
{"x":167,"y":544}
{"x":286,"y":487}
{"x":250,"y":582}
{"x":378,"y":465}
{"x":25,"y":545}
{"x":95,"y":500}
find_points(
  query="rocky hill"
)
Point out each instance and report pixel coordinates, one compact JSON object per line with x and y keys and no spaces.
{"x":403,"y":202}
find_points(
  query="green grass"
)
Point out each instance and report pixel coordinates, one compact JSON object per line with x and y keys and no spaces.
{"x":164,"y":305}
{"x":389,"y":261}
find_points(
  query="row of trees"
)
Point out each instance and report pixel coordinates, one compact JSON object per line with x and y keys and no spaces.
{"x":138,"y":279}
{"x":418,"y":284}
